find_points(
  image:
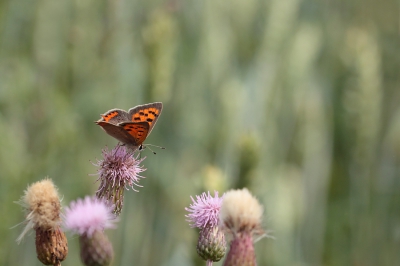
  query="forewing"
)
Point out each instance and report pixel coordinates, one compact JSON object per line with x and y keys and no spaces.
{"x":137,"y":130}
{"x":146,"y":113}
{"x":115,"y":116}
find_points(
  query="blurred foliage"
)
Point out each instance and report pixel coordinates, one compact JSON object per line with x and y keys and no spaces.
{"x":296,"y":100}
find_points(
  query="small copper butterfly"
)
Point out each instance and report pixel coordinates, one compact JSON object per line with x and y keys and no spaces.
{"x":132,"y":127}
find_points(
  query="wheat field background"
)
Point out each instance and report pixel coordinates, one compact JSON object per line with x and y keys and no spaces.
{"x":296,"y":100}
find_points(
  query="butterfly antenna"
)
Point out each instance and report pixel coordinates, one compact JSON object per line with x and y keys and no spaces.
{"x":150,"y":150}
{"x":155,"y":146}
{"x":142,"y":147}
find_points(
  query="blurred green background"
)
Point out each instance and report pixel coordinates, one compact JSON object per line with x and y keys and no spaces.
{"x":296,"y":100}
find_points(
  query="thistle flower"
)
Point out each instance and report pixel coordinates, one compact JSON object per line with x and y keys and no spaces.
{"x":118,"y":171}
{"x":204,"y":211}
{"x":241,"y":214}
{"x":88,"y":218}
{"x":42,"y":206}
{"x":204,"y":214}
{"x":88,"y":215}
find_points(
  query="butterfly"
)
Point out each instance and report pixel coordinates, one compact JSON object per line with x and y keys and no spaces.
{"x":132,"y":127}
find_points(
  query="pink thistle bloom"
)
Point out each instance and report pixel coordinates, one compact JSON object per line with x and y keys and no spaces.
{"x":204,"y":211}
{"x":89,"y":215}
{"x":117,"y":171}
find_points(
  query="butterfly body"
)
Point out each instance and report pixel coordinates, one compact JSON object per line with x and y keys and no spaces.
{"x":132,"y":127}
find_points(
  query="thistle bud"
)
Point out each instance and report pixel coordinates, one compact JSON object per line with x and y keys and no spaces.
{"x":96,"y":250}
{"x":211,"y":245}
{"x":51,"y":246}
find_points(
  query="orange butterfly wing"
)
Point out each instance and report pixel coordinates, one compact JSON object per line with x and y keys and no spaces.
{"x":146,"y":113}
{"x":115,"y":116}
{"x":138,"y":130}
{"x":110,"y":115}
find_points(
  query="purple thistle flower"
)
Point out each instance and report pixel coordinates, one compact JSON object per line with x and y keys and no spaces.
{"x":88,"y":218}
{"x":89,"y":215}
{"x":204,"y":211}
{"x":118,"y":171}
{"x":204,"y":214}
